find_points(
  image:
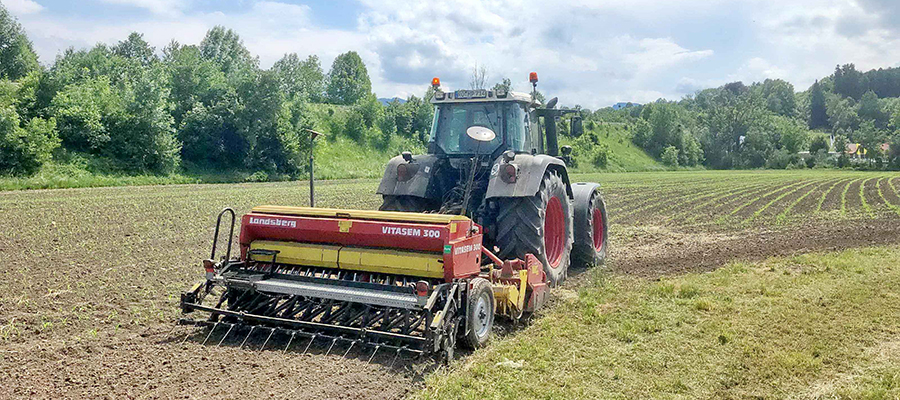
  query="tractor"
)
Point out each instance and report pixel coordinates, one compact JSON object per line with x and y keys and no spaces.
{"x":481,"y":226}
{"x":494,"y":156}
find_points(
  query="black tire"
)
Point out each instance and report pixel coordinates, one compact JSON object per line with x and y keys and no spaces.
{"x":520,"y":227}
{"x":404,"y":203}
{"x":479,"y":314}
{"x":585,"y":252}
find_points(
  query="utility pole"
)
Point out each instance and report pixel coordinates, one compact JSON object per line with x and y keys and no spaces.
{"x":312,"y":188}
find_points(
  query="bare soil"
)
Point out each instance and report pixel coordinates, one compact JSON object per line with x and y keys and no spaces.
{"x":91,"y":281}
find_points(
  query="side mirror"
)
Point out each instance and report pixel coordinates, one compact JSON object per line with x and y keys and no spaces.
{"x":577,"y":128}
{"x":566,"y":150}
{"x":552,"y":102}
{"x":407,"y":156}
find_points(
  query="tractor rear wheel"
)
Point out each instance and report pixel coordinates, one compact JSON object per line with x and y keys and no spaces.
{"x":540,"y":225}
{"x":404,"y":203}
{"x":479,"y":313}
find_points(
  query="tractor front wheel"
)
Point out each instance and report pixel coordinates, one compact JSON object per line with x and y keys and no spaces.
{"x":540,"y":225}
{"x":479,"y":313}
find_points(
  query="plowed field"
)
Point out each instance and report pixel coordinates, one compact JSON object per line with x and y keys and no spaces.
{"x":91,"y":277}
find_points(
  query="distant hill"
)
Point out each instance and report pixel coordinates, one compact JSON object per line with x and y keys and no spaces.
{"x":385,"y":101}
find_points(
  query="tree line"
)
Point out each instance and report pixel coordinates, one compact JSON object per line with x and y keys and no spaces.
{"x":209,"y":106}
{"x":124,"y":107}
{"x":769,"y":125}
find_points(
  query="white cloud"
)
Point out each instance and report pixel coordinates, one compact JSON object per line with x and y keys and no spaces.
{"x":657,"y":53}
{"x":170,"y":8}
{"x":22,"y":7}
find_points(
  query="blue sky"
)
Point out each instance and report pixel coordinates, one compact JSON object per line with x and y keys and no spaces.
{"x":592,"y":53}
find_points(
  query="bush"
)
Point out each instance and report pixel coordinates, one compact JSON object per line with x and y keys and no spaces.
{"x":84,"y":111}
{"x":670,"y":156}
{"x":600,"y":156}
{"x":24,"y":150}
{"x":354,"y":125}
{"x":258,"y":176}
{"x":819,"y":142}
{"x":782,"y":159}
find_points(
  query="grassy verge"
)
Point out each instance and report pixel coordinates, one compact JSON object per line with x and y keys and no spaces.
{"x":624,"y":155}
{"x":811,"y":326}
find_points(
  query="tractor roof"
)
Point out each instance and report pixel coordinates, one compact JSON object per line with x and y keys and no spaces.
{"x":479,"y":95}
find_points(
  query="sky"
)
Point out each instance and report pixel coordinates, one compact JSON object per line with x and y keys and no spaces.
{"x":592,"y":53}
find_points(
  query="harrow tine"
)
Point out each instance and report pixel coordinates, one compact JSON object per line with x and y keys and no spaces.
{"x":267,"y":339}
{"x":311,"y":340}
{"x":333,"y":341}
{"x":190,"y":331}
{"x":395,"y":357}
{"x":247,"y":337}
{"x":210,"y":333}
{"x":348,"y":349}
{"x":226,"y":335}
{"x":172,"y":331}
{"x":373,"y":354}
{"x":289,"y":342}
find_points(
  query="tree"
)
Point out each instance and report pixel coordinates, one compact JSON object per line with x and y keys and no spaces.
{"x":85,"y":111}
{"x":142,"y":138}
{"x":870,"y":109}
{"x":778,"y":96}
{"x":225,"y":48}
{"x":849,"y":82}
{"x":192,"y":79}
{"x":348,"y":80}
{"x":505,"y":85}
{"x":300,"y":78}
{"x":136,"y":48}
{"x":818,"y":116}
{"x":790,"y":135}
{"x":842,"y":113}
{"x":17,"y":57}
{"x":478,"y":78}
{"x":870,"y":138}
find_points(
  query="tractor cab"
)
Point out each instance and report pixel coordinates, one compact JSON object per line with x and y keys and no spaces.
{"x":511,"y":116}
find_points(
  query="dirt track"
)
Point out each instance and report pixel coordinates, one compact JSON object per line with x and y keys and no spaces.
{"x":108,"y":288}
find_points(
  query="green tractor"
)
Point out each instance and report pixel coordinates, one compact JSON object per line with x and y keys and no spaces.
{"x":494,"y":156}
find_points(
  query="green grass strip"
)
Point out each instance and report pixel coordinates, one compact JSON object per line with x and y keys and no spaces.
{"x":786,"y":328}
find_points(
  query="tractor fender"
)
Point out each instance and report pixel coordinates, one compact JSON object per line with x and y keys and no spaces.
{"x":583,"y":192}
{"x":417,"y":185}
{"x":531,"y":170}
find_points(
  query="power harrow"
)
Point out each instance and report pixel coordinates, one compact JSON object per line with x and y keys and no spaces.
{"x":397,"y":281}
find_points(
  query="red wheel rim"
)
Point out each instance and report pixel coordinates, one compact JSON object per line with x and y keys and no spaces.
{"x":554,"y":232}
{"x":597,"y":222}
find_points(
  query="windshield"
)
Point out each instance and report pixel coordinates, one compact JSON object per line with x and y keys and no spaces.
{"x":506,"y":119}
